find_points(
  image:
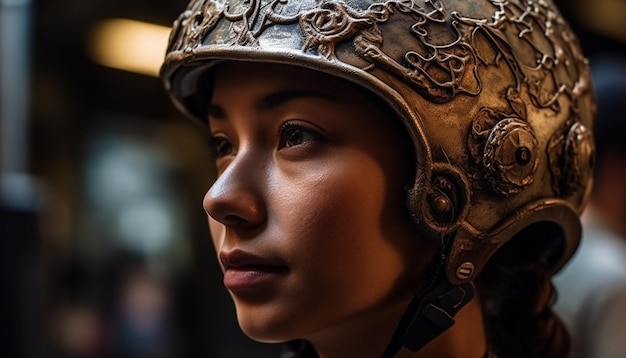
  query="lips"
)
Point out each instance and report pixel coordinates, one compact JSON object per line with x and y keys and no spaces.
{"x":244,"y":271}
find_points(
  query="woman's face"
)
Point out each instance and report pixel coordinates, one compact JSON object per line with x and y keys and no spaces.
{"x":308,"y":212}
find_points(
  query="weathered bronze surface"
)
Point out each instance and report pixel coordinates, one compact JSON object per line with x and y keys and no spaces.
{"x":496,"y":96}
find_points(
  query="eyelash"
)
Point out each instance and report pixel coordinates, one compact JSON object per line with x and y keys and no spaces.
{"x":304,"y":135}
{"x":221,"y":146}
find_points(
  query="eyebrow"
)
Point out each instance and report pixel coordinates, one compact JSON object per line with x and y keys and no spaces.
{"x":274,"y":100}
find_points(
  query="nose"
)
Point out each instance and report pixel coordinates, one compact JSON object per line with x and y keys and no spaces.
{"x":236,"y":198}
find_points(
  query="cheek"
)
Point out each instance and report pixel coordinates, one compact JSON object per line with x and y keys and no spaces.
{"x":332,"y":205}
{"x":360,"y":225}
{"x":337,"y":222}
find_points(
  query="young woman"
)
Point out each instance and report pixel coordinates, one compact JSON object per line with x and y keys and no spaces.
{"x":396,"y":178}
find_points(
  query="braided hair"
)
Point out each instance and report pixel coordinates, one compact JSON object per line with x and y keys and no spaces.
{"x":517,"y":295}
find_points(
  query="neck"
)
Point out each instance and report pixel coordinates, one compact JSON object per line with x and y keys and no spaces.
{"x":365,"y":336}
{"x":369,"y":336}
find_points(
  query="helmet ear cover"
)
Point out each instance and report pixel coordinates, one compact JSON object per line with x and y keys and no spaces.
{"x":541,"y":233}
{"x":536,"y":234}
{"x":444,"y":205}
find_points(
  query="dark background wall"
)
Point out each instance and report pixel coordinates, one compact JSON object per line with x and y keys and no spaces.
{"x":113,"y":258}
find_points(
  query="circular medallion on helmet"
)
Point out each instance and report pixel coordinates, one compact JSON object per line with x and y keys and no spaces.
{"x":579,"y":158}
{"x":510,"y":156}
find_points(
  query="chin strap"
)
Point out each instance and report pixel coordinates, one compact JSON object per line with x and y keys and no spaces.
{"x":428,"y":315}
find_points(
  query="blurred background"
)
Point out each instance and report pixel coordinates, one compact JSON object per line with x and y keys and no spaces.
{"x":104,"y":248}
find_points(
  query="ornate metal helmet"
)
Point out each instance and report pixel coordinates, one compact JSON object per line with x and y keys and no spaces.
{"x":495,"y":95}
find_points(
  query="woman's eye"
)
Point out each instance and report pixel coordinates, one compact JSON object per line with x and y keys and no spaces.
{"x":221,"y":147}
{"x":293,"y":135}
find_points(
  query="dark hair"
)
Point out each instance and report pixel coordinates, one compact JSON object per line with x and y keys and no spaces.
{"x":516,"y":294}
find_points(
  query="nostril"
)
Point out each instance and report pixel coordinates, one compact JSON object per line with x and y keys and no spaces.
{"x":234,"y":220}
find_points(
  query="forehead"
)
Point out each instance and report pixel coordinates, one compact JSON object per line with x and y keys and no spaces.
{"x":247,"y":78}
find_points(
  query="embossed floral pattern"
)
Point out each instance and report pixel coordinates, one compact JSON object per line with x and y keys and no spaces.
{"x":331,"y":24}
{"x":193,"y":25}
{"x":443,"y":54}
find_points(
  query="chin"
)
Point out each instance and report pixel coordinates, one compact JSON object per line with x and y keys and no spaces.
{"x":264,"y":329}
